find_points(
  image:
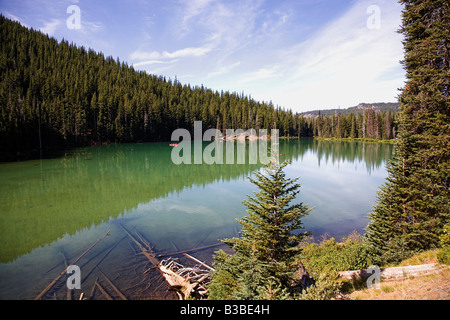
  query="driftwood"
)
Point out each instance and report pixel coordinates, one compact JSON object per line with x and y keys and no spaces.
{"x":393,"y":273}
{"x":189,"y":250}
{"x":40,"y":295}
{"x":185,"y":281}
{"x":198,"y":261}
{"x":177,"y":283}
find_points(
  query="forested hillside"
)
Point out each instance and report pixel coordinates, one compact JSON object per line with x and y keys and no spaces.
{"x":55,"y":94}
{"x":368,"y":124}
{"x":360,"y":108}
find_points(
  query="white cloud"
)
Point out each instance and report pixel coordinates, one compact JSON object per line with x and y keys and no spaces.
{"x":223,"y":25}
{"x":344,"y":63}
{"x":174,"y":206}
{"x":192,"y":9}
{"x":149,"y":62}
{"x":224,"y":69}
{"x":186,"y":52}
{"x":154,"y":57}
{"x":15,"y":18}
{"x":340,"y":64}
{"x":261,"y":74}
{"x":51,"y":26}
{"x":90,"y":26}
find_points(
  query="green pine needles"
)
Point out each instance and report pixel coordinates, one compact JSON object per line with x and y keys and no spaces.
{"x":267,"y":254}
{"x":413,"y":205}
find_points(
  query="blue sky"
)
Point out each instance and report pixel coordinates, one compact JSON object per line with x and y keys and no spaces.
{"x":299,"y":54}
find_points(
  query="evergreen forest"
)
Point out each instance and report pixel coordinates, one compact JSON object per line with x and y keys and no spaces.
{"x":412,"y":211}
{"x":55,"y":95}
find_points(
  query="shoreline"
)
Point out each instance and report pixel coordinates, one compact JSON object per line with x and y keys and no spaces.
{"x":392,"y":141}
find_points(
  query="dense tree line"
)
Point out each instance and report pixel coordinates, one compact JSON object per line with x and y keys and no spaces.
{"x":412,"y":213}
{"x":367,"y":125}
{"x":413,"y":205}
{"x":69,"y":95}
{"x":57,"y":94}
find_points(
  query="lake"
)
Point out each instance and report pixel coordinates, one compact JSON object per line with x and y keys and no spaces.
{"x":53,"y":210}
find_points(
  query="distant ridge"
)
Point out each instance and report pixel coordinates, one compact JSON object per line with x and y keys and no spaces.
{"x":378,"y":107}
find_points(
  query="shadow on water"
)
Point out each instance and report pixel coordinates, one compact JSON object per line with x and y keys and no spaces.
{"x":52,"y":209}
{"x":42,"y":200}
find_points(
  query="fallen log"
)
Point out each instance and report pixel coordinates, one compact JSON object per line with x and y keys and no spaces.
{"x":143,"y":240}
{"x":103,"y":291}
{"x":185,"y":288}
{"x":198,"y":261}
{"x":69,"y":291}
{"x":119,"y":293}
{"x":183,"y":280}
{"x":43,"y":292}
{"x":148,"y":254}
{"x":86,"y":276}
{"x":174,"y":253}
{"x":392,"y":273}
{"x":91,"y":294}
{"x":175,"y":275}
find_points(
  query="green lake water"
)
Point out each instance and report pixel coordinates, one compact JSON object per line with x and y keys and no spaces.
{"x":52,"y":210}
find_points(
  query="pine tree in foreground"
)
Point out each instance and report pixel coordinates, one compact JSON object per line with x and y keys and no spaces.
{"x":267,"y":253}
{"x":413,"y":205}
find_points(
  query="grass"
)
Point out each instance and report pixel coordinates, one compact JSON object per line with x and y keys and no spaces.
{"x":435,"y":286}
{"x":429,"y":256}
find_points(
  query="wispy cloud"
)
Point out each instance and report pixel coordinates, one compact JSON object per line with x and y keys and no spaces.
{"x":150,"y":62}
{"x":191,"y":9}
{"x":143,"y":58}
{"x":299,"y":54}
{"x":51,"y":26}
{"x":182,"y":53}
{"x":224,"y":69}
{"x":240,"y":45}
{"x":91,"y":26}
{"x":261,"y":74}
{"x":345,"y":62}
{"x":15,"y":18}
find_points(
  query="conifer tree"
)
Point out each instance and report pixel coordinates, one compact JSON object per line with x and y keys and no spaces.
{"x":267,"y":253}
{"x":413,"y":205}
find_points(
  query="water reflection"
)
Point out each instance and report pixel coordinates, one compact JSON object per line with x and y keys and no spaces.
{"x":42,"y":201}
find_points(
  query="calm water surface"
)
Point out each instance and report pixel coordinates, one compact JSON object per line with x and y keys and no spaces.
{"x":52,"y":210}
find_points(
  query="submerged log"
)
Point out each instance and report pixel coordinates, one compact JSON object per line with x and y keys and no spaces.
{"x":91,"y":294}
{"x":150,"y":255}
{"x":198,"y":261}
{"x":183,"y":280}
{"x":119,"y":293}
{"x":99,"y":261}
{"x":103,"y":291}
{"x":43,"y":292}
{"x":174,"y":253}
